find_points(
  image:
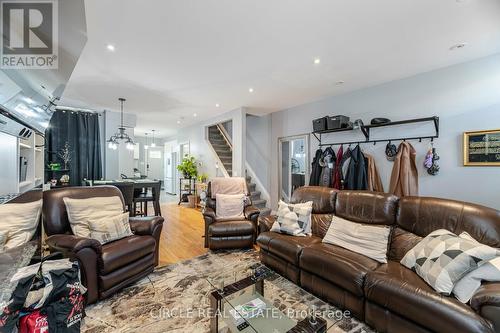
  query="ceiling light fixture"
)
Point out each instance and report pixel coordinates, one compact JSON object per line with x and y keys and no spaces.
{"x":178,"y":121}
{"x":317,"y":61}
{"x":110,"y":47}
{"x":339,"y":82}
{"x":250,"y":90}
{"x":458,"y":46}
{"x":121,"y":134}
{"x":195,"y":115}
{"x":217,"y":105}
{"x":153,"y":144}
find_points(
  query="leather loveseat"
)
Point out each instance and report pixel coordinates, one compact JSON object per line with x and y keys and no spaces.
{"x":388,"y":297}
{"x":105,"y":268}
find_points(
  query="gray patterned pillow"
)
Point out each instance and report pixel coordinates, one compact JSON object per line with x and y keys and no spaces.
{"x":293,"y":219}
{"x":443,"y":258}
{"x":110,"y":229}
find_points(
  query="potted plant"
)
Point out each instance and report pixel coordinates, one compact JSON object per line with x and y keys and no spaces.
{"x":202,"y":178}
{"x":188,"y":167}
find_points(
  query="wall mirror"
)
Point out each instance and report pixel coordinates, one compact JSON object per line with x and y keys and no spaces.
{"x":293,"y":164}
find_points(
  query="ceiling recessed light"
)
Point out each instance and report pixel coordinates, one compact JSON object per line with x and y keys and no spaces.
{"x":250,"y":90}
{"x":110,"y":47}
{"x":340,"y":82}
{"x":317,"y":61}
{"x":195,"y":115}
{"x":458,"y":46}
{"x":217,"y":105}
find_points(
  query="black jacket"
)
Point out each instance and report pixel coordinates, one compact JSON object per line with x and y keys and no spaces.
{"x":357,"y":177}
{"x":316,"y":169}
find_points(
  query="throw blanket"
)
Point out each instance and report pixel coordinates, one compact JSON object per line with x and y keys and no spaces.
{"x":231,"y":185}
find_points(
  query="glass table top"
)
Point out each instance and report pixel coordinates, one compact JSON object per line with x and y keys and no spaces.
{"x":250,"y":299}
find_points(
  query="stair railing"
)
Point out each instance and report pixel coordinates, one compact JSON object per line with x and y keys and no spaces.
{"x":225,"y":135}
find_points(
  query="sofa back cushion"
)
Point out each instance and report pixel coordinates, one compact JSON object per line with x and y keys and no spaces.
{"x":323,"y":198}
{"x":367,"y":207}
{"x":423,"y":215}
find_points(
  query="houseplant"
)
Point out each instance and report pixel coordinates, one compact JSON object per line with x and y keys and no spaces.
{"x":188,"y":167}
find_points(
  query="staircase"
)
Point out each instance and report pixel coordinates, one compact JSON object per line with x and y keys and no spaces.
{"x":257,"y":201}
{"x":221,"y":147}
{"x":225,"y":153}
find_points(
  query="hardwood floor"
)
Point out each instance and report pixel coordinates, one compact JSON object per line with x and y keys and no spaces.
{"x":182,"y":232}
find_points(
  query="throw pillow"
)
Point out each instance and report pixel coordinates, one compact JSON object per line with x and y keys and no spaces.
{"x":443,"y":258}
{"x":110,"y":229}
{"x":293,"y":219}
{"x":470,"y":283}
{"x":368,"y":240}
{"x":230,"y":206}
{"x":82,"y":211}
{"x":19,"y":221}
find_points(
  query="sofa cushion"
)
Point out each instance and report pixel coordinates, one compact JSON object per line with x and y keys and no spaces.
{"x":367,"y":207}
{"x":125,"y":251}
{"x":231,"y":228}
{"x":286,"y":247}
{"x":401,"y":291}
{"x":340,"y":266}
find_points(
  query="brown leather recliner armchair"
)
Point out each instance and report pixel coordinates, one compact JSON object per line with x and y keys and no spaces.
{"x":229,"y":234}
{"x":105,"y":268}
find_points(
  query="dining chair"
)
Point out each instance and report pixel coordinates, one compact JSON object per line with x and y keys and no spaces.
{"x":127,"y":189}
{"x":146,"y":196}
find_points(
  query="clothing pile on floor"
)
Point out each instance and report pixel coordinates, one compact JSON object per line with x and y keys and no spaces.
{"x":352,"y":169}
{"x":48,"y":298}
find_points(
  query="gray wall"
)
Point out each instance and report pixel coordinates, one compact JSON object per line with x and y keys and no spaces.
{"x":258,"y":147}
{"x":466,"y":97}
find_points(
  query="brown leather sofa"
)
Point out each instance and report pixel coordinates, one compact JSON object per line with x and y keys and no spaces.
{"x":105,"y":268}
{"x":388,"y":297}
{"x":229,"y":234}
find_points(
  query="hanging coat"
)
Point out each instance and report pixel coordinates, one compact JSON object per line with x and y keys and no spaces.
{"x":328,"y":164}
{"x":315,"y":169}
{"x":338,"y":169}
{"x":404,"y":178}
{"x":374,"y":181}
{"x":356,"y":178}
{"x":344,"y":166}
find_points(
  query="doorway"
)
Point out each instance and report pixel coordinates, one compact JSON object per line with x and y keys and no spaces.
{"x":293,"y":164}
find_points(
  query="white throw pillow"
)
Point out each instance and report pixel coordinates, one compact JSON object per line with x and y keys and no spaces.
{"x":368,"y":240}
{"x":470,"y":283}
{"x":110,"y":229}
{"x":82,"y":211}
{"x":230,"y":206}
{"x":442,"y":259}
{"x":293,"y":219}
{"x":19,"y":221}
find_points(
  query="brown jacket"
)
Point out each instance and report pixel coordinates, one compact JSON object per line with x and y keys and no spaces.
{"x":374,"y":181}
{"x":404,"y":178}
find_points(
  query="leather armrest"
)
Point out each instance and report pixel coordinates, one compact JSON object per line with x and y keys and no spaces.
{"x":266,"y":222}
{"x":145,"y":225}
{"x":486,"y":302}
{"x":251,"y":212}
{"x":209,"y":213}
{"x":72,"y":243}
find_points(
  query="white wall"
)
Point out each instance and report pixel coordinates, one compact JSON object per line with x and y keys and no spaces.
{"x":200,"y":149}
{"x":121,"y":160}
{"x":258,"y":148}
{"x":466,"y":97}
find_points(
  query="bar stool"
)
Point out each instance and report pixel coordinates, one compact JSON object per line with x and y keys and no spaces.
{"x":144,"y":197}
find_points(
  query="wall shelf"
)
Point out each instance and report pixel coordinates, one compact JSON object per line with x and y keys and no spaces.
{"x":365,"y":129}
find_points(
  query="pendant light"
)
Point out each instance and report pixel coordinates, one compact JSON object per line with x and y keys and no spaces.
{"x":146,"y":147}
{"x":121,"y":134}
{"x":153,"y":144}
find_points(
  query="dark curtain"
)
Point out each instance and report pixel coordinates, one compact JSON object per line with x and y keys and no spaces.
{"x":81,"y":131}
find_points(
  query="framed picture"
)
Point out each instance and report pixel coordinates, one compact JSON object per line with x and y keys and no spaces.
{"x":482,"y":148}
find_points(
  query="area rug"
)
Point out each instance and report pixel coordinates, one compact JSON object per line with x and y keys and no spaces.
{"x":174,"y":298}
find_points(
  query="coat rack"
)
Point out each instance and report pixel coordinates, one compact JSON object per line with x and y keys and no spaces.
{"x":365,"y":129}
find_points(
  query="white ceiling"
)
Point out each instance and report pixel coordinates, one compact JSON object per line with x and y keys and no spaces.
{"x":176,"y":58}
